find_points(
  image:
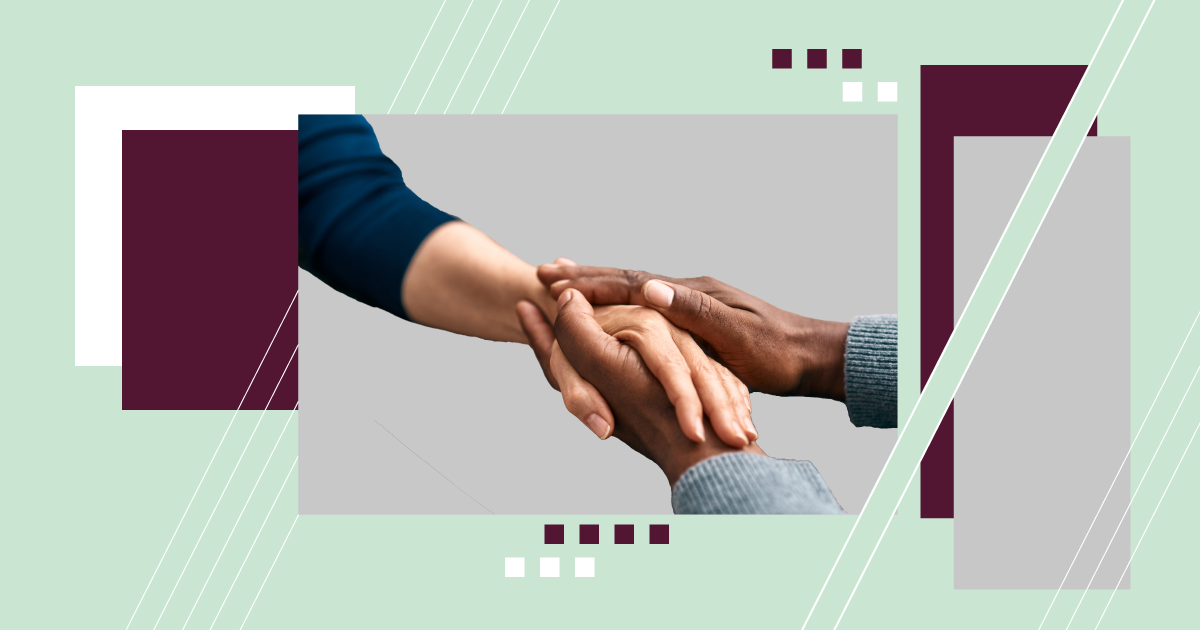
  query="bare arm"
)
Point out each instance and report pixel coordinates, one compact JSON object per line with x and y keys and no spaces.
{"x":462,"y":281}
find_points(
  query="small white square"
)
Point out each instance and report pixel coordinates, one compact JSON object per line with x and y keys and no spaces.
{"x":585,"y":567}
{"x":852,"y":91}
{"x":887,"y":91}
{"x":514,"y":567}
{"x":549,"y":567}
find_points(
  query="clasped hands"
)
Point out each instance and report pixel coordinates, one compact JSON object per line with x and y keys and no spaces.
{"x":665,"y":364}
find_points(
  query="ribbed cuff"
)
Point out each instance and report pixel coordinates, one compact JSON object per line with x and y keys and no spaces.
{"x":872,"y":362}
{"x":744,"y":483}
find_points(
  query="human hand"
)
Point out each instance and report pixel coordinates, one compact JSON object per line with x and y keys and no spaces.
{"x":768,"y":348}
{"x":646,"y":419}
{"x":695,"y":385}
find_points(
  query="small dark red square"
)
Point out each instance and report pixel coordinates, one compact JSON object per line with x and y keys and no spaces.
{"x":660,"y":534}
{"x":589,"y":534}
{"x":852,"y":58}
{"x":554,"y":534}
{"x":781,"y":57}
{"x":623,"y":534}
{"x":816,"y":57}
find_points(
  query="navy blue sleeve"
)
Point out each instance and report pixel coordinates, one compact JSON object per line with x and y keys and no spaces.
{"x":359,"y":223}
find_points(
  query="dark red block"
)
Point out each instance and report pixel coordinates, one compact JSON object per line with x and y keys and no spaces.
{"x":623,"y":534}
{"x":816,"y":57}
{"x":660,"y":534}
{"x":209,"y":256}
{"x":852,"y":58}
{"x":554,"y":534}
{"x":781,"y":57}
{"x":589,"y":534}
{"x":967,"y":101}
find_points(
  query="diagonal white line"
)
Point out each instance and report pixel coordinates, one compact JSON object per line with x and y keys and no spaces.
{"x":1119,"y":469}
{"x":1149,"y":522}
{"x":539,"y":40}
{"x":439,"y":67}
{"x":239,"y":518}
{"x":938,"y":363}
{"x":1135,"y":493}
{"x":260,"y":529}
{"x":414,"y":62}
{"x":214,"y":457}
{"x":489,"y":79}
{"x":218,"y":504}
{"x":485,"y":32}
{"x":260,"y":589}
{"x":1018,"y":269}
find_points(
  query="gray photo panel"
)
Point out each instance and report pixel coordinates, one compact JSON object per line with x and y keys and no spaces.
{"x":797,"y":210}
{"x":1041,"y":420}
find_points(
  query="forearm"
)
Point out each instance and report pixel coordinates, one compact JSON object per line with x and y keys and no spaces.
{"x":462,"y":281}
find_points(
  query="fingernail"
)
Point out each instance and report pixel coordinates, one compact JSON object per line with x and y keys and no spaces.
{"x":749,"y":426}
{"x":700,"y":427}
{"x":659,"y":294}
{"x":597,"y":425}
{"x":564,"y":298}
{"x":552,"y":265}
{"x":748,"y":407}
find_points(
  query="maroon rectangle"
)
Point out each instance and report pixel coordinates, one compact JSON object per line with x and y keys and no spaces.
{"x":660,"y":534}
{"x":967,"y":101}
{"x":816,"y":58}
{"x":781,"y":57}
{"x":554,"y":534}
{"x":623,"y":534}
{"x":209,"y":256}
{"x":589,"y":534}
{"x":852,"y":58}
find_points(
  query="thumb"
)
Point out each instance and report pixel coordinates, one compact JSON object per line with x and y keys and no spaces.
{"x":583,"y":342}
{"x":692,"y":310}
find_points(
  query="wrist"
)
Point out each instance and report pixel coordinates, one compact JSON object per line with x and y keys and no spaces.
{"x":685,"y":456}
{"x":820,"y":357}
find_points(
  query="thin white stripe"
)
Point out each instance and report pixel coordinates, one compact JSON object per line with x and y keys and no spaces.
{"x":1018,"y":269}
{"x":235,"y":467}
{"x":260,"y":529}
{"x":954,"y":332}
{"x":239,"y":518}
{"x":539,"y":40}
{"x":210,"y":461}
{"x":439,"y":67}
{"x":414,"y":62}
{"x":485,"y":32}
{"x":1119,"y":469}
{"x":1149,"y":522}
{"x":502,"y":51}
{"x":1135,"y":493}
{"x":260,"y":589}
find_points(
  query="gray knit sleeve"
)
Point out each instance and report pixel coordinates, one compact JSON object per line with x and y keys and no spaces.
{"x":871,"y":367}
{"x":743,"y":483}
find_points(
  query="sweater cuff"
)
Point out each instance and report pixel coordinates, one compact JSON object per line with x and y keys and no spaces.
{"x":744,"y":483}
{"x":871,"y":367}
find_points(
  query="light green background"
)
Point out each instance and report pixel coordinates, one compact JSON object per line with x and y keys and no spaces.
{"x":91,"y":494}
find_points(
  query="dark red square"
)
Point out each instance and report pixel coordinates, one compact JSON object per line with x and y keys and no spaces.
{"x":554,"y":534}
{"x":660,"y":534}
{"x":852,"y":58}
{"x":589,"y":534}
{"x":816,"y":57}
{"x":781,"y":57}
{"x":623,"y":534}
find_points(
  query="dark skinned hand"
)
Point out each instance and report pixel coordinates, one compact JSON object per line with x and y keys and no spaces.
{"x":768,"y":348}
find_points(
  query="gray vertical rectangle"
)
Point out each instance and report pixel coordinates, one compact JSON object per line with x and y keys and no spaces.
{"x":798,"y":210}
{"x":1042,"y":415}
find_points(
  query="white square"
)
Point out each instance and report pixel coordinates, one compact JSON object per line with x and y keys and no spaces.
{"x":852,"y":91}
{"x":514,"y":567}
{"x":101,"y":113}
{"x":887,"y":91}
{"x":549,"y":567}
{"x":585,"y":567}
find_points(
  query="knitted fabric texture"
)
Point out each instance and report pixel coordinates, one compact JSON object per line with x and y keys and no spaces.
{"x":872,"y":361}
{"x":742,"y":483}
